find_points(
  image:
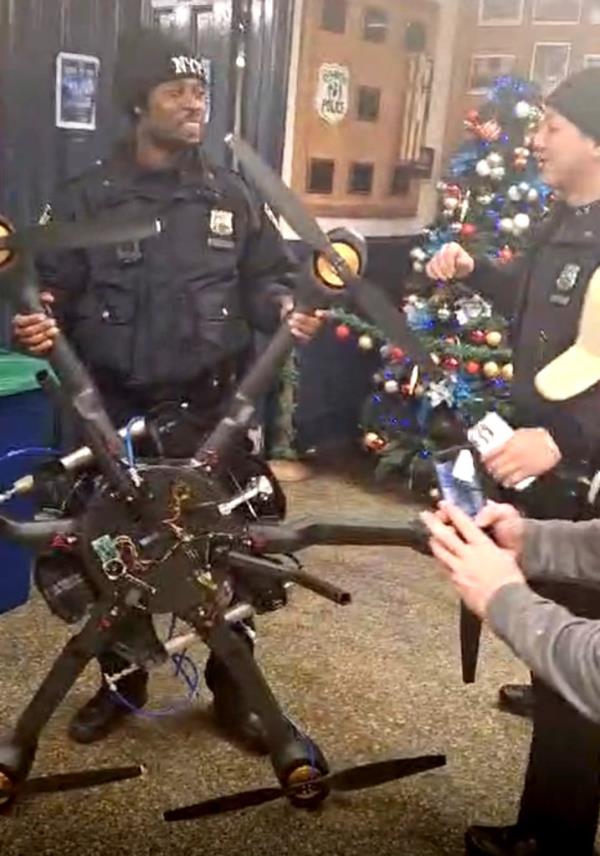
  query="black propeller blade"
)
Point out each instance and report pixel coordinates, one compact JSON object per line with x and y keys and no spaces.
{"x":351,"y":779}
{"x":380,"y":772}
{"x":369,"y":297}
{"x":68,"y":236}
{"x":76,"y":781}
{"x":222,"y":805}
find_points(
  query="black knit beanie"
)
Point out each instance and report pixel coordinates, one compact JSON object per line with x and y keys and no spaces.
{"x":147,"y":59}
{"x":578,"y":99}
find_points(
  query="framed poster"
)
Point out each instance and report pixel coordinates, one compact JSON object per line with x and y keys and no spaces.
{"x":77,"y":78}
{"x":494,"y":13}
{"x":557,"y":11}
{"x":486,"y":68}
{"x":550,"y":64}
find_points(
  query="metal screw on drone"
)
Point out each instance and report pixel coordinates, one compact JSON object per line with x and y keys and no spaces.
{"x":259,"y":488}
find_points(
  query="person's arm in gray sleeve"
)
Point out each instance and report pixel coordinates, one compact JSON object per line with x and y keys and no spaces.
{"x":560,"y":649}
{"x":559,"y":549}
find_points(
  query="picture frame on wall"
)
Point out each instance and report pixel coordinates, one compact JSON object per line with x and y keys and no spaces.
{"x":486,"y":68}
{"x":557,"y":11}
{"x":550,"y":64}
{"x":494,"y":13}
{"x":77,"y":80}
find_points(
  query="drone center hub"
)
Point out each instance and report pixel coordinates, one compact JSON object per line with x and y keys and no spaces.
{"x":162,"y":554}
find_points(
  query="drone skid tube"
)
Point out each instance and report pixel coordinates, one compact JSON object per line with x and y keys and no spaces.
{"x":262,"y":567}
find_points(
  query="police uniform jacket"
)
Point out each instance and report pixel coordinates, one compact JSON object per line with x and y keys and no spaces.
{"x":542,"y":293}
{"x":171,"y":309}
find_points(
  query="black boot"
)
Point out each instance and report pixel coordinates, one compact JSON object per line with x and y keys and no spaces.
{"x":232,"y":714}
{"x":517,"y":699}
{"x":103,"y":713}
{"x":514,"y":841}
{"x":500,"y":841}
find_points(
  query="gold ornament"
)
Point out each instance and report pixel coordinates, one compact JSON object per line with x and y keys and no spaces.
{"x":507,"y":372}
{"x":493,"y":338}
{"x":491,"y":370}
{"x":365,"y":342}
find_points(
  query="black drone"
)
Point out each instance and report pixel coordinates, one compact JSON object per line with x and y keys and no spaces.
{"x":164,"y":537}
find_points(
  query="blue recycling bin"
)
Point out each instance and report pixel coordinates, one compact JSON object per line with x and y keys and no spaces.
{"x":26,"y":423}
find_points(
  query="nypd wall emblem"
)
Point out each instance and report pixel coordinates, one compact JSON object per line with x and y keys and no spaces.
{"x":221,"y":223}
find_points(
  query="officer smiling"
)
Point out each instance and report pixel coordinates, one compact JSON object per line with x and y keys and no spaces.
{"x":168,"y":322}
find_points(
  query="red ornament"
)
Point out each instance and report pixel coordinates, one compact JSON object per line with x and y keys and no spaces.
{"x":450,"y":363}
{"x":473,"y":116}
{"x":472,"y":367}
{"x":342,"y":332}
{"x":396,"y":355}
{"x":490,"y":131}
{"x":468,"y":230}
{"x":506,"y":255}
{"x":478,"y":337}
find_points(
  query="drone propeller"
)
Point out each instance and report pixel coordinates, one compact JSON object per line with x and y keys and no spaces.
{"x":368,"y":296}
{"x":68,"y":236}
{"x":350,"y":779}
{"x":61,"y":782}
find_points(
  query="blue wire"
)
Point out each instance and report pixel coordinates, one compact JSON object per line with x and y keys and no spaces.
{"x":192,"y":682}
{"x":21,"y":453}
{"x":129,"y":441}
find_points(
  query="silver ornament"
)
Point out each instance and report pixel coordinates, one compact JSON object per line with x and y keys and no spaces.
{"x":495,"y":159}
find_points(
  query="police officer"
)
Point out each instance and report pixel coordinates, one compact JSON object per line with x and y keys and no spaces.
{"x":168,"y":321}
{"x":543,"y":292}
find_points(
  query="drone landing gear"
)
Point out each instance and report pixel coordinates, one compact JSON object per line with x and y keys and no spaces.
{"x":17,"y":750}
{"x":298,"y":763}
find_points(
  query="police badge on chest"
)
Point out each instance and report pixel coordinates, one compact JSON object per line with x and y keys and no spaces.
{"x":565,"y":285}
{"x":221,"y":229}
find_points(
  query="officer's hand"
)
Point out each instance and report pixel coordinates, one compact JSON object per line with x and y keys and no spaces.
{"x":476,"y":566}
{"x":304,"y":326}
{"x":529,"y":452}
{"x":451,"y":262}
{"x":505,"y":523}
{"x":37,"y":332}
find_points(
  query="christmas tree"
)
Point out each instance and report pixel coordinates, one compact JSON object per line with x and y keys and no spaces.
{"x":489,"y":202}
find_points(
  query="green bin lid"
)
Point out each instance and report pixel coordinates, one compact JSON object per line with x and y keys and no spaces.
{"x":18,"y":372}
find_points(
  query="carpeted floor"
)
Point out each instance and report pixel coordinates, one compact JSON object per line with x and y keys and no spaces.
{"x":376,"y":678}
